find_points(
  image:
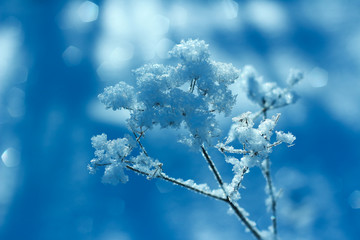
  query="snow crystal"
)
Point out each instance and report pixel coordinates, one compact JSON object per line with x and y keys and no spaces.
{"x":285,"y":137}
{"x":268,"y":94}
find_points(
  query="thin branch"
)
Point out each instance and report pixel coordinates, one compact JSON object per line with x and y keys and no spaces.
{"x":232,"y":204}
{"x":270,"y":186}
{"x":245,"y":169}
{"x":163,"y":176}
{"x":138,"y":141}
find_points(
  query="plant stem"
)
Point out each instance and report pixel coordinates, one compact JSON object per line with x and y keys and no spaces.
{"x":233,"y":205}
{"x":163,"y":176}
{"x":270,"y":187}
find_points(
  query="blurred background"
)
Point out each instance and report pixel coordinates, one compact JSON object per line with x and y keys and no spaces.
{"x":57,"y":56}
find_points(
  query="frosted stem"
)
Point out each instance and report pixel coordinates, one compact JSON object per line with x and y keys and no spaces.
{"x":233,"y":205}
{"x":138,"y":141}
{"x":270,"y":187}
{"x":163,"y":176}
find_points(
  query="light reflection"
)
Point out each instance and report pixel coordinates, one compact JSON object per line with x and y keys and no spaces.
{"x":16,"y":102}
{"x":72,"y":56}
{"x":230,"y":9}
{"x":268,"y":16}
{"x":11,"y":157}
{"x":88,"y":11}
{"x":354,"y":199}
{"x":10,"y":39}
{"x":318,"y":77}
{"x":163,"y":47}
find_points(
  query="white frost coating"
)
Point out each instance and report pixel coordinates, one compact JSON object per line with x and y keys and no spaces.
{"x":285,"y":137}
{"x":268,"y":94}
{"x":119,"y":96}
{"x":203,"y":187}
{"x":256,"y":142}
{"x":189,"y":93}
{"x":147,"y":165}
{"x":294,"y":77}
{"x":114,"y":174}
{"x":191,"y":51}
{"x":111,"y":154}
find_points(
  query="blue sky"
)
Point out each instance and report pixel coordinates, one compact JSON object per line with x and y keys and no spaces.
{"x":56,"y":57}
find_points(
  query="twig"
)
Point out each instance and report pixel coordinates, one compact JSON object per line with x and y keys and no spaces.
{"x":138,"y":141}
{"x":163,"y":176}
{"x":270,"y":186}
{"x":232,"y":204}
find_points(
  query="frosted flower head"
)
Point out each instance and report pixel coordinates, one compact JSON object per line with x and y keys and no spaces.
{"x":294,"y":77}
{"x":191,"y":51}
{"x":269,"y":94}
{"x":111,"y":155}
{"x":244,"y":120}
{"x":119,"y":96}
{"x":285,"y":137}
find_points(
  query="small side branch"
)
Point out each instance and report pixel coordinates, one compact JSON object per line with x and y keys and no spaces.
{"x":138,"y":141}
{"x":270,"y":186}
{"x":163,"y":176}
{"x":232,"y":204}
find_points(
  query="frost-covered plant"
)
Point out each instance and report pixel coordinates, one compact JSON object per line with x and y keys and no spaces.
{"x":189,"y":95}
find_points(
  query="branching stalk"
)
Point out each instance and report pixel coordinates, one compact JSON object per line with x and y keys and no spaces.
{"x":163,"y":176}
{"x":270,"y":186}
{"x":232,"y":204}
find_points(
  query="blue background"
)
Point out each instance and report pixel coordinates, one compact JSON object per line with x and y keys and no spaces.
{"x":57,"y":56}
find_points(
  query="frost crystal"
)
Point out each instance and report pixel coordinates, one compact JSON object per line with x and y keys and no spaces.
{"x":294,"y":77}
{"x":189,"y":93}
{"x":285,"y":137}
{"x":267,"y":94}
{"x":111,"y":154}
{"x":256,"y":141}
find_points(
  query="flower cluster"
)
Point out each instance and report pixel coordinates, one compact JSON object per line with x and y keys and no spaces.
{"x":189,"y":93}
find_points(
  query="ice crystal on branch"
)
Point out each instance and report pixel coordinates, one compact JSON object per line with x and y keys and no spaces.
{"x":267,"y":94}
{"x":111,"y":154}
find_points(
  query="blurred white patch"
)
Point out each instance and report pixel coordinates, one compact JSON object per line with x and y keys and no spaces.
{"x":123,"y":52}
{"x":318,"y":77}
{"x":159,"y":24}
{"x":72,"y":56}
{"x":230,"y":8}
{"x":16,"y":102}
{"x":8,"y":182}
{"x":268,"y":16}
{"x":114,"y":51}
{"x":113,"y":56}
{"x":11,"y":157}
{"x":353,"y":46}
{"x":178,"y":16}
{"x":354,"y":199}
{"x":88,"y":11}
{"x":98,"y":112}
{"x":10,"y":40}
{"x":76,"y":15}
{"x":163,"y":47}
{"x":344,"y":104}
